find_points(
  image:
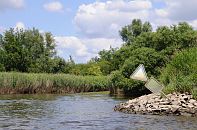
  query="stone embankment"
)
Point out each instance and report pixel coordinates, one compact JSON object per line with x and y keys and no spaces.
{"x":174,"y":104}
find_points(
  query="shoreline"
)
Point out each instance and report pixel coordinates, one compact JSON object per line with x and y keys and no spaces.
{"x":154,"y":104}
{"x":51,"y":90}
{"x":40,"y":83}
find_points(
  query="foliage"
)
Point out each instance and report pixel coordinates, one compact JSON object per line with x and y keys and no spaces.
{"x":2,"y":58}
{"x":130,"y":87}
{"x":86,"y":69}
{"x":181,"y":73}
{"x":105,"y":67}
{"x":117,"y":79}
{"x":52,"y":83}
{"x":130,"y":32}
{"x":153,"y":49}
{"x":151,"y":59}
{"x":30,"y":51}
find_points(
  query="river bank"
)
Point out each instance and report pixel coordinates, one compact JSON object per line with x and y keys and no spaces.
{"x":174,"y":104}
{"x":31,"y":83}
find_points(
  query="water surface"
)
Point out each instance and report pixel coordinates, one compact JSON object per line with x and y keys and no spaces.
{"x":79,"y":111}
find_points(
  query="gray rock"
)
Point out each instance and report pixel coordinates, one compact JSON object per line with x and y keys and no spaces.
{"x":186,"y":114}
{"x":176,"y":102}
{"x":185,"y":98}
{"x":183,"y":105}
{"x":179,"y":104}
{"x":164,"y":103}
{"x":192,"y":101}
{"x":174,"y":108}
{"x":190,"y":105}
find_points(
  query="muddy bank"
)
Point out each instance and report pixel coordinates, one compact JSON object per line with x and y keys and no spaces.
{"x":174,"y":104}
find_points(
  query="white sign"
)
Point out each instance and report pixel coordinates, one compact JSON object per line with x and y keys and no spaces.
{"x":154,"y":86}
{"x":139,"y":74}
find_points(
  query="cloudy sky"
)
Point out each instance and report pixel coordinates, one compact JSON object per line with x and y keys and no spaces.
{"x":83,"y":27}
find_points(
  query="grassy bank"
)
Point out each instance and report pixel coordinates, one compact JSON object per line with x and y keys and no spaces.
{"x":13,"y":82}
{"x":180,"y":75}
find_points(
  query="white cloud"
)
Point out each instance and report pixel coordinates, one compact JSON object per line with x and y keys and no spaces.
{"x":96,"y":44}
{"x":100,"y":22}
{"x":74,"y":44}
{"x":2,"y":29}
{"x":181,"y":9}
{"x":129,"y":5}
{"x":105,"y":19}
{"x":55,"y":6}
{"x":11,"y":4}
{"x":19,"y":25}
{"x":83,"y":49}
{"x":194,"y":23}
{"x":161,"y":13}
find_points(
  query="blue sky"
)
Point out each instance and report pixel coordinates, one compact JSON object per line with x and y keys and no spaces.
{"x":32,"y":14}
{"x":81,"y":28}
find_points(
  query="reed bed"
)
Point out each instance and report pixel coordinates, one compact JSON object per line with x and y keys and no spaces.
{"x":14,"y":82}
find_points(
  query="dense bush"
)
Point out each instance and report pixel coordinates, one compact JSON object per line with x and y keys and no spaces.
{"x":151,"y":59}
{"x":153,"y":49}
{"x":130,"y":87}
{"x":180,"y":75}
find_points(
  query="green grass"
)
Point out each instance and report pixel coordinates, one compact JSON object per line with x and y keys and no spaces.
{"x":180,"y":75}
{"x":52,"y":83}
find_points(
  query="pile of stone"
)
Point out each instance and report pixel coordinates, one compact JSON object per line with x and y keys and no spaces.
{"x":172,"y":104}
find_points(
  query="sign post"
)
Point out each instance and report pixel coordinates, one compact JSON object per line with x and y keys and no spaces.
{"x":139,"y":74}
{"x":152,"y":84}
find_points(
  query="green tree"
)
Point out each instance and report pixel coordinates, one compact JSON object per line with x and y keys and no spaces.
{"x":60,"y":65}
{"x":147,"y":27}
{"x":151,"y":59}
{"x":2,"y":57}
{"x":94,"y":70}
{"x":27,"y":50}
{"x":130,"y":32}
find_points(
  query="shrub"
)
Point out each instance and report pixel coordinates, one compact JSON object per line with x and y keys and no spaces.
{"x":180,"y":74}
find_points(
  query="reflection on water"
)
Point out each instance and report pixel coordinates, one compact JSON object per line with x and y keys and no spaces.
{"x":79,"y":111}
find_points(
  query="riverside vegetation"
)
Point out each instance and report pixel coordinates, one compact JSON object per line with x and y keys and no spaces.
{"x":12,"y":83}
{"x":168,"y":54}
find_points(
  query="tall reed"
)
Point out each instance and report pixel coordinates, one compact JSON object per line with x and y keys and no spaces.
{"x":14,"y":82}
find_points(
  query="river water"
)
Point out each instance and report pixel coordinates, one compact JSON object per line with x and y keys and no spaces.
{"x":93,"y":111}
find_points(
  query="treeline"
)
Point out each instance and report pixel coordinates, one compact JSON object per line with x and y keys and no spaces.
{"x":34,"y":52}
{"x":160,"y":51}
{"x":29,"y":51}
{"x":154,"y":49}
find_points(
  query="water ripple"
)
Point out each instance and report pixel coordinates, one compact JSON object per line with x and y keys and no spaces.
{"x":94,"y":112}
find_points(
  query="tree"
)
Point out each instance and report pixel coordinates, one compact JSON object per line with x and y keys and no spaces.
{"x":27,"y":50}
{"x":105,"y":67}
{"x":151,"y":59}
{"x":136,"y":27}
{"x":71,"y":60}
{"x":94,"y":70}
{"x":147,"y":27}
{"x":107,"y":55}
{"x":2,"y":60}
{"x":59,"y":65}
{"x":130,"y":32}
